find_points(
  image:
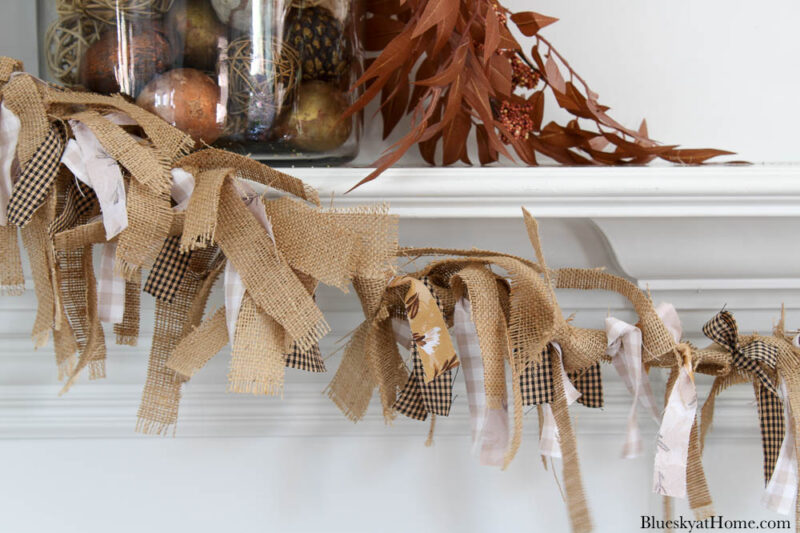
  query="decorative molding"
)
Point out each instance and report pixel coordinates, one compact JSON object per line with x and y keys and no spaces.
{"x":548,"y":192}
{"x":97,"y":410}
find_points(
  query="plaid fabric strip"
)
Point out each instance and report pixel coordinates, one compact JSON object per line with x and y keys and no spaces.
{"x":110,"y":287}
{"x":723,"y":330}
{"x":589,"y":383}
{"x":80,"y":202}
{"x":536,"y":381}
{"x":37,"y":179}
{"x":770,"y":416}
{"x":168,"y":270}
{"x":409,"y":401}
{"x":781,"y":490}
{"x":417,"y":399}
{"x":308,"y":360}
{"x":469,"y":352}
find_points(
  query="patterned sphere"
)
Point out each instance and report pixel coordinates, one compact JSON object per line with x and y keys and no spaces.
{"x":319,"y":39}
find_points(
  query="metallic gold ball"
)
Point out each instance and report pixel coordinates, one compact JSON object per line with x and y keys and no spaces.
{"x":314,"y":122}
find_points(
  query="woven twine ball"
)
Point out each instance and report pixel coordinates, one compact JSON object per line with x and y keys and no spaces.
{"x":109,"y":11}
{"x":66,"y":42}
{"x":258,"y":85}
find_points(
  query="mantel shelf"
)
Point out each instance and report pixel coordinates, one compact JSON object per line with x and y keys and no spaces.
{"x":568,"y":192}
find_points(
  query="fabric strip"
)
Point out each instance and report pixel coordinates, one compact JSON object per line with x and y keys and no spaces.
{"x":625,"y":350}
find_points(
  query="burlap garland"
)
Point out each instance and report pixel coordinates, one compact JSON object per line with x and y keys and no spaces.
{"x":515,"y":321}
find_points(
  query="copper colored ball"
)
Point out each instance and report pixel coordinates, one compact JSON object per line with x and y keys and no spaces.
{"x":314,"y":122}
{"x":187,"y":99}
{"x":145,"y":49}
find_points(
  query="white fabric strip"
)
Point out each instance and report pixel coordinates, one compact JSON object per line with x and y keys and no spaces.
{"x":672,"y":443}
{"x":9,"y":135}
{"x":489,"y":426}
{"x":110,"y":287}
{"x":182,"y":188}
{"x":91,"y":164}
{"x":781,"y":490}
{"x":550,"y":441}
{"x":234,"y":287}
{"x":625,"y":349}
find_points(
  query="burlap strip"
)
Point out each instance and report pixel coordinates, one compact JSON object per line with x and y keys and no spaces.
{"x":268,"y":278}
{"x":257,"y":361}
{"x":198,"y":347}
{"x":127,"y":331}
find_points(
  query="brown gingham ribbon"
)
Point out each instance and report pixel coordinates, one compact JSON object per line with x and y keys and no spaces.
{"x":771,"y":420}
{"x":37,"y":179}
{"x":723,"y":330}
{"x":418,"y":398}
{"x":536,"y":381}
{"x":589,"y":382}
{"x":168,"y":270}
{"x":309,"y":360}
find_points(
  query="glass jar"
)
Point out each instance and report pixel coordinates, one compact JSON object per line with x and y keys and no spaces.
{"x":269,"y":78}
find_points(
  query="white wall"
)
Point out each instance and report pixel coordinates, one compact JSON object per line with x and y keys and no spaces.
{"x":74,"y":463}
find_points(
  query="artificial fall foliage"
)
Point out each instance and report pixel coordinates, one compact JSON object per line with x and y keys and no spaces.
{"x":456,"y":68}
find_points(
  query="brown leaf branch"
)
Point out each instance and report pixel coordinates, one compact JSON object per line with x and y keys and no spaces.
{"x":469,"y":73}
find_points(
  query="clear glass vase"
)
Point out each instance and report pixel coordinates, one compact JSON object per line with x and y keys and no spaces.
{"x":269,"y":78}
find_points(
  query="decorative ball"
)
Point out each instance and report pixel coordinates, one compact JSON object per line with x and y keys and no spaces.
{"x":314,"y":122}
{"x":235,"y":13}
{"x":257,"y":85}
{"x":146,"y":53}
{"x":65,"y":44}
{"x":318,"y":37}
{"x":187,"y":99}
{"x":196,"y":33}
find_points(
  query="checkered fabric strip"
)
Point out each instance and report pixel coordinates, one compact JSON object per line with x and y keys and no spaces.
{"x":37,"y":179}
{"x":309,"y":360}
{"x":770,"y":417}
{"x":723,"y":330}
{"x":80,"y":202}
{"x":536,"y":381}
{"x":418,"y":398}
{"x":168,"y":270}
{"x":409,"y":401}
{"x":589,"y":383}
